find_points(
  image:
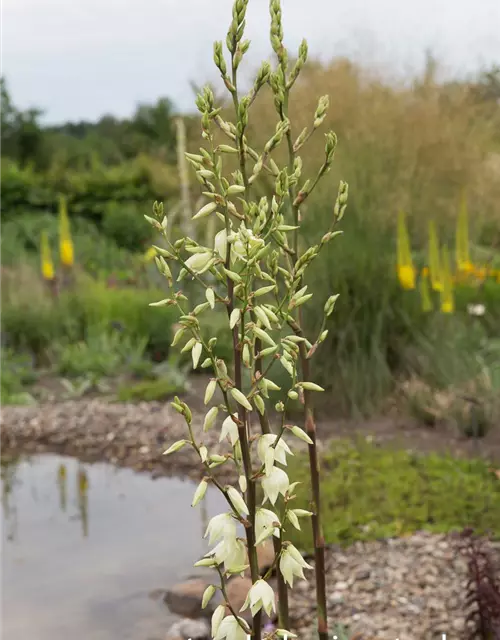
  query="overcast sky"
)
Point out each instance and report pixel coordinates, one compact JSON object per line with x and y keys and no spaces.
{"x":79,"y":59}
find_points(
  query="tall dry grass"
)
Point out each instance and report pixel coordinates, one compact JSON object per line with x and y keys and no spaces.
{"x":414,"y":146}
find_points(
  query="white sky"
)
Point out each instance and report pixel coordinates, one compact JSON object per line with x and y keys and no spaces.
{"x":79,"y":59}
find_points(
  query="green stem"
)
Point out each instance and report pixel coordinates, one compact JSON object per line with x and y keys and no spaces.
{"x":242,"y":413}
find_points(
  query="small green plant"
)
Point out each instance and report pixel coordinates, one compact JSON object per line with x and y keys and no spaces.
{"x":372,"y":493}
{"x":17,"y":373}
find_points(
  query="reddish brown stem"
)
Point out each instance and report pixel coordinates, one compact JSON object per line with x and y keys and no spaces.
{"x":319,"y":540}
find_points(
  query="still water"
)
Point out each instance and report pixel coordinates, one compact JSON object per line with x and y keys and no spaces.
{"x":83,"y":547}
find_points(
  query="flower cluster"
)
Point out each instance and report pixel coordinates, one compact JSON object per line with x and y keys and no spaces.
{"x":254,"y":271}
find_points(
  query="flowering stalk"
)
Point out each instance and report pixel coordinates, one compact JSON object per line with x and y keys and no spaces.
{"x":47,"y":264}
{"x":434,"y":258}
{"x":406,"y":270}
{"x":254,"y":271}
{"x":65,"y":242}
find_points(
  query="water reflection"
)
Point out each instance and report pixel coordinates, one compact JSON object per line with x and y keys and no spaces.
{"x":63,"y":487}
{"x":84,"y":545}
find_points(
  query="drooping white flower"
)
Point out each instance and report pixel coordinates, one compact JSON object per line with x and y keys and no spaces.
{"x":292,"y":564}
{"x":200,"y":262}
{"x":260,"y":595}
{"x":280,"y":451}
{"x":264,"y":524}
{"x":231,"y":629}
{"x":229,"y":428}
{"x":232,"y":553}
{"x":217,"y":618}
{"x":220,"y":526}
{"x":275,"y":483}
{"x":220,"y":244}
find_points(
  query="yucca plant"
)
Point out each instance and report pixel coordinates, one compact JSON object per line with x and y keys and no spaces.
{"x":255,"y":272}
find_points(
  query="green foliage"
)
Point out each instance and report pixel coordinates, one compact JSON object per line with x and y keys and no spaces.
{"x":102,"y":352}
{"x":17,"y":374}
{"x":125,"y":224}
{"x":88,"y":192}
{"x":126,"y":308}
{"x":152,"y":390}
{"x":371,"y":493}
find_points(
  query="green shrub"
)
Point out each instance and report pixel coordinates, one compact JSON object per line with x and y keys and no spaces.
{"x":124,"y":223}
{"x":371,"y":493}
{"x":103,"y":352}
{"x":127,"y":308}
{"x":141,"y":180}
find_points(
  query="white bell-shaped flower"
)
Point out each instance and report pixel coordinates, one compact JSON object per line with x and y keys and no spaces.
{"x":265,"y":524}
{"x":275,"y":483}
{"x":261,"y":595}
{"x":220,"y":526}
{"x":232,"y":553}
{"x":292,"y":564}
{"x":231,"y":629}
{"x":229,"y":428}
{"x":280,"y":451}
{"x":200,"y":262}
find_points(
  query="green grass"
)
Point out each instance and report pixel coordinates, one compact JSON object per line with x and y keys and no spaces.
{"x":151,"y":390}
{"x":371,"y":493}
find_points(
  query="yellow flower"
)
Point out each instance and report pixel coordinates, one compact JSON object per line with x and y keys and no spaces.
{"x":66,"y":250}
{"x":46,"y":257}
{"x":462,"y":238}
{"x":406,"y":275}
{"x":406,"y":271}
{"x":447,"y":298}
{"x":67,"y":253}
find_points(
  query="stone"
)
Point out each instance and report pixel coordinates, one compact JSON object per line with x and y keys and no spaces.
{"x":188,"y":629}
{"x":340,"y":586}
{"x":363,"y":573}
{"x":336,"y":598}
{"x":184,"y":599}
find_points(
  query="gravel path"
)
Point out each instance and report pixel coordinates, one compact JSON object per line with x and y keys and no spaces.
{"x":411,"y":588}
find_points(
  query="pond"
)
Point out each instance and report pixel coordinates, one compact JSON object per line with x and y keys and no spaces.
{"x":84,"y":547}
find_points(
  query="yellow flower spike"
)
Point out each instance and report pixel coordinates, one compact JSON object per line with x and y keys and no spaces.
{"x":434,"y":259}
{"x":66,"y":250}
{"x":425,"y":293}
{"x":406,"y":271}
{"x":48,"y":272}
{"x":464,"y":263}
{"x":447,"y":298}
